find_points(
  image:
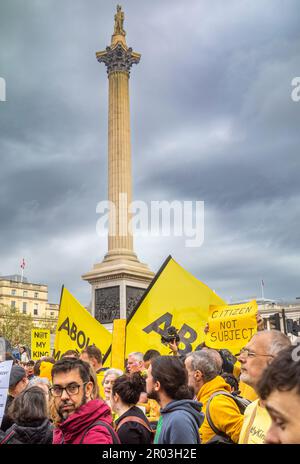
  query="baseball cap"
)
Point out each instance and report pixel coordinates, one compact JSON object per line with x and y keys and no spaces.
{"x":17,"y":373}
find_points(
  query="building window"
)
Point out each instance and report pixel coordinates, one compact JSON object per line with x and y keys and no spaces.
{"x":52,"y":314}
{"x":25,"y":293}
{"x":35,"y":310}
{"x":24,"y":307}
{"x":36,"y":295}
{"x":13,"y":292}
{"x":13,"y":305}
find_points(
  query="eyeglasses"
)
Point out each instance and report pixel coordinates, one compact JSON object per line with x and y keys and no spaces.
{"x":71,"y":389}
{"x":251,"y":354}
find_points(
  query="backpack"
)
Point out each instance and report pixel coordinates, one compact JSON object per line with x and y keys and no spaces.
{"x":221,"y":437}
{"x":9,"y":438}
{"x":139,"y":421}
{"x":108,"y":427}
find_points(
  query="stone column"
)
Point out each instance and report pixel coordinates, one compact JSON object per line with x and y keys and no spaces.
{"x":118,"y":59}
{"x":120,"y":280}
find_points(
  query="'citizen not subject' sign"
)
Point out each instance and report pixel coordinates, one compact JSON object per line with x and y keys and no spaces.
{"x":231,"y":326}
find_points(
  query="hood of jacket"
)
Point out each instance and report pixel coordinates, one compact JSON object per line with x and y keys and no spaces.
{"x":191,"y":406}
{"x":41,"y":434}
{"x":80,"y":420}
{"x":214,"y":385}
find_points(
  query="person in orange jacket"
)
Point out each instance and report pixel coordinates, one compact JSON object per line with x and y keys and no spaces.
{"x":203,"y":376}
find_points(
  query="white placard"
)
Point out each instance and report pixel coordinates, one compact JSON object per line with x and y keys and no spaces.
{"x":5,"y":368}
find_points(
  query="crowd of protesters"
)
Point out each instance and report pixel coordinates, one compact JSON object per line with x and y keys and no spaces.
{"x":205,"y":397}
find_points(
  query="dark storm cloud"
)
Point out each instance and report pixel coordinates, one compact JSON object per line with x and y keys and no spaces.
{"x":212,"y":120}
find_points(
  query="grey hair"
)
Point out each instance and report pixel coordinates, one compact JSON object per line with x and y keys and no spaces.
{"x":205,"y":361}
{"x":112,"y":371}
{"x":278,"y":341}
{"x":137,"y":355}
{"x":39,"y":380}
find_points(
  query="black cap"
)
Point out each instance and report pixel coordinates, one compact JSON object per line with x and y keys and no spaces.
{"x":17,"y":373}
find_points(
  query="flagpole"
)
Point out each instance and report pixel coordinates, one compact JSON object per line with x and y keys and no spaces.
{"x":262,"y":290}
{"x":22,"y":272}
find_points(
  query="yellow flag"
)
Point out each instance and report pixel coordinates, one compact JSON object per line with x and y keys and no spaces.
{"x":76,"y":328}
{"x":231,"y":326}
{"x":175,"y":298}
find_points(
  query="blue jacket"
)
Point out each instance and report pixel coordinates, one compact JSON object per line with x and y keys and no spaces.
{"x":179,"y":423}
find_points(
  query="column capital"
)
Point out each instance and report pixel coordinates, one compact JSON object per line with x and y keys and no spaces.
{"x":118,"y":58}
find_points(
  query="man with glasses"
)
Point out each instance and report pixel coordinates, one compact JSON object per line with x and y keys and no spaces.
{"x":263,"y":347}
{"x":83,"y":419}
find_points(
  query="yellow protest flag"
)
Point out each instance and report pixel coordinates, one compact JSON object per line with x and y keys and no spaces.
{"x":40,"y":343}
{"x":76,"y":328}
{"x":231,"y":326}
{"x":174,"y":298}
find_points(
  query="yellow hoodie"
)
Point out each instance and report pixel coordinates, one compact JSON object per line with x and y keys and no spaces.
{"x":224,"y":412}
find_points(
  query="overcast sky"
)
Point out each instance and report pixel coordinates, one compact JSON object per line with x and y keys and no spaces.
{"x":212,"y":119}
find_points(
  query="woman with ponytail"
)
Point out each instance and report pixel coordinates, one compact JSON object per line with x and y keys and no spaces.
{"x":132,"y":425}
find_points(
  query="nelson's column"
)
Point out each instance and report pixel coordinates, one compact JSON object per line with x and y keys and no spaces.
{"x":120,"y":280}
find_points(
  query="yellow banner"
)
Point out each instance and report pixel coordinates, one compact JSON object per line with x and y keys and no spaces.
{"x":175,"y":298}
{"x":232,"y":326}
{"x":40,"y":343}
{"x":76,"y":328}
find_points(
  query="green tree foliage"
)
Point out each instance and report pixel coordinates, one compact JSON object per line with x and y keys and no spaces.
{"x":15,"y":326}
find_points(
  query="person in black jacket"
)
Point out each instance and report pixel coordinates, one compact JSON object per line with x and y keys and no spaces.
{"x":132,"y":425}
{"x":17,"y":383}
{"x":29,"y":412}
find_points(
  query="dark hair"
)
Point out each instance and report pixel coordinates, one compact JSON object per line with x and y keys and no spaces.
{"x":170,"y":372}
{"x":48,"y":359}
{"x":129,"y":387}
{"x":70,"y":353}
{"x":37,"y":365}
{"x":29,"y":406}
{"x":69,"y":364}
{"x":151,"y":354}
{"x":30,"y":363}
{"x":228,"y":360}
{"x":283,"y":374}
{"x":231,"y":380}
{"x":93,"y":352}
{"x":36,"y":368}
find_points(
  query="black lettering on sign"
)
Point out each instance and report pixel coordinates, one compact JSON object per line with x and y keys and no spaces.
{"x":40,"y":344}
{"x":65,"y":326}
{"x":187,"y":337}
{"x":81,"y":343}
{"x":81,"y":338}
{"x":40,"y":334}
{"x":186,"y":333}
{"x":73,"y":331}
{"x":40,"y":354}
{"x":155,"y":326}
{"x":56,"y":355}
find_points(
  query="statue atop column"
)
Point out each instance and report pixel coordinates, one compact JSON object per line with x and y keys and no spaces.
{"x":119,"y":21}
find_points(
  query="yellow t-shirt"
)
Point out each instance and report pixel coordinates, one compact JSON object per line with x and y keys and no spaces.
{"x":100,"y":377}
{"x":247,"y":392}
{"x":259,"y":427}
